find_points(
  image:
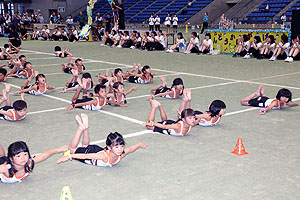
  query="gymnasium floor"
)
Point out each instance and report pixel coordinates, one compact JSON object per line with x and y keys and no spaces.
{"x":198,"y":166}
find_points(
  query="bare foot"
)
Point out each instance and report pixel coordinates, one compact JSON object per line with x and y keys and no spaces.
{"x":187,"y":95}
{"x":262,"y":90}
{"x":98,"y":74}
{"x":36,"y":73}
{"x":154,"y":103}
{"x":7,"y":87}
{"x":79,"y":122}
{"x":106,"y":72}
{"x":139,"y":67}
{"x":134,"y":67}
{"x":164,"y":82}
{"x":4,"y":95}
{"x":85,"y":120}
{"x":23,"y":96}
{"x":63,"y":65}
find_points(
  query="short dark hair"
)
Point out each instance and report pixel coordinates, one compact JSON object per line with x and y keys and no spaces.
{"x":208,"y":34}
{"x":215,"y":107}
{"x":187,"y":113}
{"x":57,"y":48}
{"x":3,"y":71}
{"x":117,"y":70}
{"x":114,"y":139}
{"x":21,"y":56}
{"x":284,"y":38}
{"x":6,"y":46}
{"x":258,"y":40}
{"x":98,"y":87}
{"x":78,"y":59}
{"x":284,"y":93}
{"x":144,"y":68}
{"x":19,"y":105}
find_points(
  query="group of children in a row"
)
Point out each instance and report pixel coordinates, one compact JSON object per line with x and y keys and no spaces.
{"x":156,"y":41}
{"x":19,"y":163}
{"x":59,"y":34}
{"x":270,"y":48}
{"x":148,"y":41}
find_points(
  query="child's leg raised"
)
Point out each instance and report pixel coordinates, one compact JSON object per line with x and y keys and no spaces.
{"x":163,"y":84}
{"x":258,"y":93}
{"x":186,"y":100}
{"x":2,"y":152}
{"x":82,"y":128}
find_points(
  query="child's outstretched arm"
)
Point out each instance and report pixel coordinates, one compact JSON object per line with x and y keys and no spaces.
{"x":75,"y":105}
{"x":43,"y":156}
{"x":134,"y":148}
{"x":160,"y":94}
{"x":116,"y":103}
{"x":293,"y":104}
{"x":3,"y":112}
{"x":130,"y":90}
{"x":26,"y":90}
{"x":94,"y":156}
{"x":264,"y":110}
{"x":51,"y":88}
{"x":163,"y":126}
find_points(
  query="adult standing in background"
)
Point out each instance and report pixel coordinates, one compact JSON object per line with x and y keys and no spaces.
{"x":205,"y":22}
{"x":81,"y":19}
{"x":283,"y":19}
{"x":151,"y":23}
{"x":175,"y":23}
{"x":121,"y":15}
{"x":99,"y":21}
{"x":157,"y":23}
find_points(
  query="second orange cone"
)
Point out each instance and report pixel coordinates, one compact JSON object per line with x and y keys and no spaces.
{"x":240,"y":149}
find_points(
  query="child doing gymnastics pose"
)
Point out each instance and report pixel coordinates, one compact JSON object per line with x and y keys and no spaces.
{"x":93,"y":104}
{"x":16,"y":112}
{"x":18,"y":163}
{"x":38,"y":88}
{"x":62,"y":53}
{"x":213,"y":116}
{"x":118,"y":94}
{"x":256,"y":99}
{"x":180,"y":127}
{"x":24,"y":73}
{"x":70,"y":66}
{"x":93,"y":154}
{"x":74,"y":83}
{"x":162,"y":90}
{"x":144,"y":75}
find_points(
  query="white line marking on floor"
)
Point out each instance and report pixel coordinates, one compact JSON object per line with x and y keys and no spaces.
{"x":43,"y":111}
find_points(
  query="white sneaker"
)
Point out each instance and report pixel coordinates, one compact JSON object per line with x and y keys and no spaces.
{"x":187,"y":52}
{"x":119,"y":46}
{"x":102,"y":45}
{"x":132,"y":47}
{"x":272,"y":58}
{"x":171,"y":51}
{"x":168,"y":51}
{"x":289,"y":59}
{"x":247,"y":56}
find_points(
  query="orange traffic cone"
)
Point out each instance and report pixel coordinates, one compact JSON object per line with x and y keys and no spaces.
{"x":240,"y":149}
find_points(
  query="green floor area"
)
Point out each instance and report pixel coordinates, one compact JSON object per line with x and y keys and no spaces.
{"x":197,"y":166}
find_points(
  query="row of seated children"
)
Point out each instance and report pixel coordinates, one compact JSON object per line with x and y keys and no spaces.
{"x":62,"y":34}
{"x":193,"y":45}
{"x":148,"y":41}
{"x":270,"y":48}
